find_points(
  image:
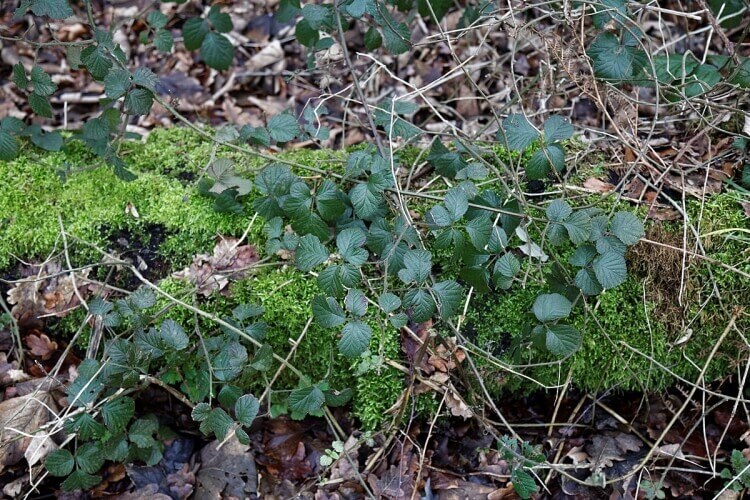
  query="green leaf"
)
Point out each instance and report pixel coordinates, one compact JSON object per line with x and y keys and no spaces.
{"x":306,"y":401}
{"x":610,"y":11}
{"x":201,"y":412}
{"x":586,"y":280}
{"x":163,"y":40}
{"x":338,"y":398}
{"x":741,"y":76}
{"x":551,"y":307}
{"x":479,"y":231}
{"x":578,"y":226}
{"x":230,"y":361}
{"x":54,"y":9}
{"x":43,"y":84}
{"x":610,"y":269}
{"x":327,"y":311}
{"x":40,"y":105}
{"x":543,"y":159}
{"x":217,"y":51}
{"x":218,"y":422}
{"x":85,"y":427}
{"x":368,"y":202}
{"x":283,"y":127}
{"x":582,"y":256}
{"x":399,"y":320}
{"x":627,"y":228}
{"x":194,"y":31}
{"x":173,"y":335}
{"x":317,"y":16}
{"x":59,"y":463}
{"x":246,"y":409}
{"x":96,"y":61}
{"x":438,"y":216}
{"x":355,"y":338}
{"x":614,"y":61}
{"x":156,"y":19}
{"x":80,"y":480}
{"x":397,"y":38}
{"x":421,"y":304}
{"x":305,"y":34}
{"x":456,"y":203}
{"x":562,"y":340}
{"x":518,"y":132}
{"x":19,"y":76}
{"x":557,"y":128}
{"x":310,"y":253}
{"x":610,"y":243}
{"x":220,"y":20}
{"x":8,"y":146}
{"x":523,"y":483}
{"x":49,"y":141}
{"x":139,"y":101}
{"x":389,"y":302}
{"x":558,"y":211}
{"x":142,"y":298}
{"x":117,"y":83}
{"x":86,"y":387}
{"x":328,"y":201}
{"x":449,"y":295}
{"x":356,"y":302}
{"x":349,"y":243}
{"x":228,"y":396}
{"x":417,"y":266}
{"x":311,"y":223}
{"x":373,"y":40}
{"x":507,"y":265}
{"x":117,"y":413}
{"x":141,"y":432}
{"x":245,"y":311}
{"x":89,"y":457}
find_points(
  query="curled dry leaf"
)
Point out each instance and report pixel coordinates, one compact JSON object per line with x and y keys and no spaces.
{"x":229,"y":261}
{"x":40,"y":345}
{"x":597,"y":185}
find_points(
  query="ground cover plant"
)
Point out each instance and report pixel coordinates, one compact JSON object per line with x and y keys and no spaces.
{"x":389,"y":249}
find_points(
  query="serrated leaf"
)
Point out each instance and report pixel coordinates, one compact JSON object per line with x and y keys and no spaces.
{"x":438,"y":216}
{"x":117,"y":413}
{"x":306,"y":401}
{"x":246,"y":409}
{"x":59,"y":463}
{"x":54,"y":9}
{"x":356,"y":302}
{"x":523,"y":483}
{"x":96,"y":61}
{"x":117,"y":83}
{"x":586,"y":280}
{"x":338,"y":398}
{"x":80,"y":480}
{"x":221,"y":21}
{"x":557,"y":128}
{"x":543,"y":159}
{"x":43,"y":84}
{"x":317,"y":16}
{"x":328,"y":201}
{"x":163,"y":40}
{"x":40,"y":105}
{"x":228,"y":396}
{"x":373,"y":39}
{"x":507,"y":265}
{"x":399,"y":320}
{"x":139,"y":101}
{"x":194,"y":31}
{"x":19,"y":76}
{"x":156,"y":19}
{"x":389,"y":302}
{"x":218,"y":422}
{"x":479,"y":230}
{"x":245,"y":311}
{"x":613,"y":60}
{"x":367,"y":202}
{"x":349,"y":243}
{"x":217,"y":51}
{"x":582,"y":256}
{"x":417,"y":266}
{"x":283,"y":127}
{"x":230,"y":361}
{"x":329,"y":281}
{"x":201,"y":412}
{"x":627,"y":228}
{"x":327,"y":311}
{"x":562,"y":340}
{"x":519,"y":133}
{"x":578,"y":226}
{"x":456,"y":203}
{"x":421,"y":304}
{"x":49,"y":141}
{"x":449,"y":295}
{"x":610,"y":269}
{"x":310,"y":253}
{"x":142,"y":298}
{"x":173,"y":335}
{"x":559,"y":210}
{"x":396,"y":37}
{"x":89,"y":457}
{"x":145,"y":78}
{"x":551,"y":307}
{"x":8,"y":146}
{"x":305,"y":34}
{"x":610,"y":243}
{"x":355,"y":339}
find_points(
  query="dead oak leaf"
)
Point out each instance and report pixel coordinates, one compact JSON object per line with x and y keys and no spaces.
{"x":40,"y":345}
{"x":229,"y":261}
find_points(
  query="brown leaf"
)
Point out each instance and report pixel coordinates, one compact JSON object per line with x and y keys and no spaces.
{"x":229,"y":261}
{"x":226,"y":471}
{"x":597,"y":185}
{"x":19,"y":418}
{"x":41,"y":345}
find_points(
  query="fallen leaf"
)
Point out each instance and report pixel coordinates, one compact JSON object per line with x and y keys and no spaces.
{"x":229,"y":261}
{"x":597,"y":185}
{"x":40,"y":446}
{"x":456,"y":404}
{"x":41,"y":345}
{"x":226,"y":471}
{"x":19,"y":419}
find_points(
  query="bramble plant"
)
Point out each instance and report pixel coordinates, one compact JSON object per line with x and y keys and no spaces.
{"x":375,"y":263}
